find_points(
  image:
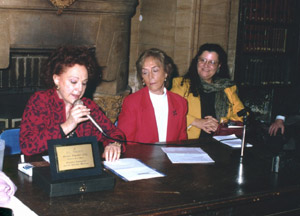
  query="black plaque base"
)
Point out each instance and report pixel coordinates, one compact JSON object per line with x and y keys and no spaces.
{"x":42,"y":177}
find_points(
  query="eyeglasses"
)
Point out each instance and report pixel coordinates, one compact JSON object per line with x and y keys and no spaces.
{"x":210,"y":63}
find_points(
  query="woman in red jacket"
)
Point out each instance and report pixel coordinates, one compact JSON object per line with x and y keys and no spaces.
{"x":51,"y":114}
{"x":153,"y":114}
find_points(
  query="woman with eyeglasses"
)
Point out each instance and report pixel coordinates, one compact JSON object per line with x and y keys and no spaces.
{"x":211,"y":95}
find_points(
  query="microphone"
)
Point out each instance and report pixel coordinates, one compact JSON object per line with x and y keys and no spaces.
{"x":243,"y":113}
{"x":79,"y":102}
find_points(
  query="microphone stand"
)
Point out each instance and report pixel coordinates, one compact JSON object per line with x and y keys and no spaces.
{"x":244,"y":135}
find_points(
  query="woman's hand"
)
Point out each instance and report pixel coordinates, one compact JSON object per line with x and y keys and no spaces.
{"x":209,"y":124}
{"x":112,"y":152}
{"x":75,"y":115}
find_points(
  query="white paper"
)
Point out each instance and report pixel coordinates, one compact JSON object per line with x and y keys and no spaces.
{"x":131,"y":169}
{"x":46,"y":158}
{"x":19,"y":208}
{"x":182,"y":150}
{"x":231,"y":140}
{"x":187,"y":155}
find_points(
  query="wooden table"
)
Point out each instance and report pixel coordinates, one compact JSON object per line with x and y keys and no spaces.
{"x":226,"y":187}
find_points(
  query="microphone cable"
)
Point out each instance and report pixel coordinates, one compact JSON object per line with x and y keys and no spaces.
{"x":80,"y":102}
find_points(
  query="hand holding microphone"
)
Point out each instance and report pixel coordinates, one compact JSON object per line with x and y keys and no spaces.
{"x":111,"y":152}
{"x":79,"y":112}
{"x":79,"y":102}
{"x":75,"y":115}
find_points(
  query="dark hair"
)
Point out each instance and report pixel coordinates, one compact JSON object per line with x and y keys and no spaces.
{"x":192,"y":73}
{"x":68,"y":56}
{"x":166,"y":61}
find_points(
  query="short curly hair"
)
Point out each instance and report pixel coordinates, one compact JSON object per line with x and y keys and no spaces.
{"x":67,"y":56}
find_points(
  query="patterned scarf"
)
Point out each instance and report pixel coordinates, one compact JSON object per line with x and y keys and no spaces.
{"x":221,"y":100}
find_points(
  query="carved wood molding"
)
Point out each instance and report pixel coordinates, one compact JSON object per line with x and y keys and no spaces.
{"x":61,"y":4}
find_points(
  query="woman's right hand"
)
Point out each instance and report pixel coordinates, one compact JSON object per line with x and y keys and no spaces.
{"x":209,"y":124}
{"x":76,"y":115}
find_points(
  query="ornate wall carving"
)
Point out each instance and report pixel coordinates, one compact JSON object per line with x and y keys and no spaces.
{"x":62,"y":3}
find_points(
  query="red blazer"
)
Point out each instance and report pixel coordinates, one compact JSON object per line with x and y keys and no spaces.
{"x":137,"y":118}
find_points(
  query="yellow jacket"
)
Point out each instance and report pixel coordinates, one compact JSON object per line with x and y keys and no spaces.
{"x":194,"y":107}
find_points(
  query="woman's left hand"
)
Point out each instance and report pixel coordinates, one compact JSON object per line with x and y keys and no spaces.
{"x":112,"y":152}
{"x":209,"y":124}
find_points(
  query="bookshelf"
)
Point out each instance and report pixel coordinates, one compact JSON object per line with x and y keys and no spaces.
{"x":268,"y":43}
{"x":267,"y":55}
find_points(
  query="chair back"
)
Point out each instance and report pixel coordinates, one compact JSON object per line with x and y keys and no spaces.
{"x":12,"y":143}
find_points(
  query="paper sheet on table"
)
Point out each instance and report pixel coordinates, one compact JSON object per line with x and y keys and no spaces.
{"x":131,"y":169}
{"x":18,"y":207}
{"x":46,"y":158}
{"x":187,"y":155}
{"x":231,"y":140}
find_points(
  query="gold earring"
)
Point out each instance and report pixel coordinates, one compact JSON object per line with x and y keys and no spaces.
{"x":57,"y":87}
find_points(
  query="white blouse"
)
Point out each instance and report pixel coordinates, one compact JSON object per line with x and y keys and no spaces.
{"x":161,"y":109}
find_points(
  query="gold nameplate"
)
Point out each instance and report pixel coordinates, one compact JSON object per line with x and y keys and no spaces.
{"x":74,"y":157}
